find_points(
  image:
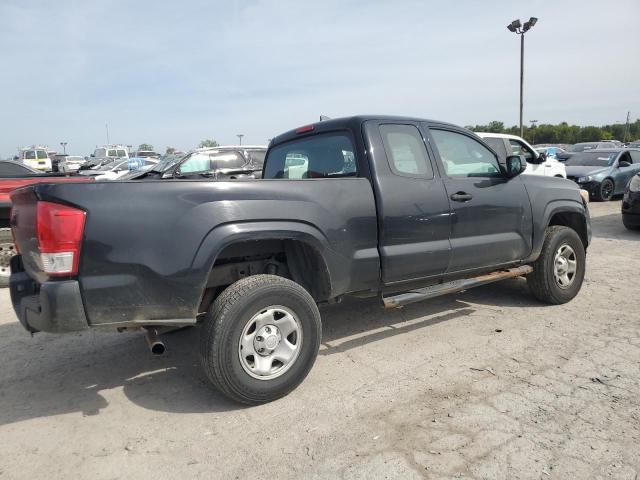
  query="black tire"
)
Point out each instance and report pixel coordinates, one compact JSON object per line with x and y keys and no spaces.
{"x":7,"y":250}
{"x":604,"y":193}
{"x":630,"y":226}
{"x":542,"y":282}
{"x":224,"y":325}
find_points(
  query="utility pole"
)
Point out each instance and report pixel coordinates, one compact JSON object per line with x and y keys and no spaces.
{"x":106,"y":126}
{"x":626,"y":127}
{"x":520,"y":29}
{"x":240,"y":135}
{"x":533,"y":130}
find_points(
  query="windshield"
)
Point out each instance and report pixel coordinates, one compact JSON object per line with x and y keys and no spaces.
{"x":113,"y":165}
{"x":592,"y":159}
{"x":166,"y":162}
{"x":581,"y":147}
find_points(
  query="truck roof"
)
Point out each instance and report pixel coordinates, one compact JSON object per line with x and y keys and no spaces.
{"x":352,"y":122}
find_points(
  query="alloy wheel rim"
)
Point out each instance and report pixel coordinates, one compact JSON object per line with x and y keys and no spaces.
{"x":565,"y":266}
{"x":607,"y":190}
{"x":270,"y":342}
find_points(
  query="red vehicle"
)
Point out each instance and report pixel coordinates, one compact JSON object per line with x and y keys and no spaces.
{"x":15,"y":175}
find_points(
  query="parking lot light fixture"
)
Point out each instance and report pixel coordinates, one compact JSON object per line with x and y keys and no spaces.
{"x":64,"y":147}
{"x":240,"y":135}
{"x":519,"y":29}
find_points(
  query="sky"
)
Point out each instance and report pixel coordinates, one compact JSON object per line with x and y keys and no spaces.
{"x":174,"y":73}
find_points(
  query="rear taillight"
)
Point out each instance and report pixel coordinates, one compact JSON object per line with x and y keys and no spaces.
{"x":59,"y":231}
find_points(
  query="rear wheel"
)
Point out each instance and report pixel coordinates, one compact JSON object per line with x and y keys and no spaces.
{"x":7,"y":250}
{"x":260,"y":338}
{"x":605,"y":192}
{"x":559,"y":270}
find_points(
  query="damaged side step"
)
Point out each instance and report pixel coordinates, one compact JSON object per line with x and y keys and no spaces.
{"x":453,"y":287}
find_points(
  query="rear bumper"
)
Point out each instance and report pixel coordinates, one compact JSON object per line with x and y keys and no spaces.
{"x":54,"y":307}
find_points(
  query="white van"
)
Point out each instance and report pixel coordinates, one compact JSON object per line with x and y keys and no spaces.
{"x":111,"y":151}
{"x":35,"y":157}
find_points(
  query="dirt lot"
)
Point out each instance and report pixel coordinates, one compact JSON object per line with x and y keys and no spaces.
{"x":485,"y":384}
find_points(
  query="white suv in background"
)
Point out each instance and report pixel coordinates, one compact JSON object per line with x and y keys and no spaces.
{"x":537,"y":164}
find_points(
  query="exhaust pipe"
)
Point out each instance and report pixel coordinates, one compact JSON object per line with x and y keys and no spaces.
{"x":155,"y":344}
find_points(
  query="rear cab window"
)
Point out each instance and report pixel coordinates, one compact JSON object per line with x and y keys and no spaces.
{"x":324,"y":155}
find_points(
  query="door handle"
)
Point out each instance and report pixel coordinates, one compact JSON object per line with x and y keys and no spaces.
{"x":461,"y":197}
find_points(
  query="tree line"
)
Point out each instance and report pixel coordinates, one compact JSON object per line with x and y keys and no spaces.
{"x":565,"y":133}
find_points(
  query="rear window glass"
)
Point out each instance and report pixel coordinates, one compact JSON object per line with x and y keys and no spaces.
{"x":30,"y":155}
{"x":42,"y":154}
{"x":327,"y":155}
{"x":122,"y":153}
{"x":112,"y":153}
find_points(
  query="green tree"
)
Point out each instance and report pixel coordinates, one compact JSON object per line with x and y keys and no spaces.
{"x":145,"y":146}
{"x":208,"y":143}
{"x":170,"y":151}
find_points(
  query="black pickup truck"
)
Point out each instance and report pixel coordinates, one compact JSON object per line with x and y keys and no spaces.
{"x":398,"y":208}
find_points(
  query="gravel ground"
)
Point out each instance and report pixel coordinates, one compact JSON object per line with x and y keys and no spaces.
{"x":484,"y":384}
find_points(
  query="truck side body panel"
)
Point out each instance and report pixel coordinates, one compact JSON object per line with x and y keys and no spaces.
{"x":150,"y":258}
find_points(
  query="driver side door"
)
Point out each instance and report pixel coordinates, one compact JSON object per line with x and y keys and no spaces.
{"x":491,"y":214}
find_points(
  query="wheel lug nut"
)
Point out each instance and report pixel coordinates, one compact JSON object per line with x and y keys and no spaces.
{"x":259,"y":338}
{"x":267,"y":329}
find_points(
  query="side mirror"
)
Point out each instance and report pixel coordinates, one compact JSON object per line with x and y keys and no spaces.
{"x":624,"y":163}
{"x":16,"y":157}
{"x":516,"y":164}
{"x":542,"y":157}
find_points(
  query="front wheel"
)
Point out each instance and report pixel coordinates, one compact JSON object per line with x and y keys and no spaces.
{"x":559,"y":270}
{"x":260,"y":339}
{"x":605,"y":192}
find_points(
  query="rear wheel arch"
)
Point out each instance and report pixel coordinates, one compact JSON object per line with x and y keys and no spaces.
{"x":293,"y":254}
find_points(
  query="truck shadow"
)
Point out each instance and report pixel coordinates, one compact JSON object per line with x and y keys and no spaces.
{"x":83,"y":373}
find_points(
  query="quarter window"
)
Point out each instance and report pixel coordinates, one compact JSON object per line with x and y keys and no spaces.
{"x":406,"y":151}
{"x":463,"y":156}
{"x":498,"y":146}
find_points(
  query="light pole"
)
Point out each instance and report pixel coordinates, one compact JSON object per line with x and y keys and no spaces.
{"x":518,"y":28}
{"x":533,"y":130}
{"x":64,"y":147}
{"x":240,"y":135}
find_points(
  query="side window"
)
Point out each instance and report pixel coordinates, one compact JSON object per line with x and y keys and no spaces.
{"x":406,"y":151}
{"x":326,"y":155}
{"x":635,"y":156}
{"x":518,"y":148}
{"x":198,"y":162}
{"x":497,"y":144}
{"x":462,"y":156}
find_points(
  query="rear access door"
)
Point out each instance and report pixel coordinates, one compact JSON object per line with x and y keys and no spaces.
{"x":413,"y":210}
